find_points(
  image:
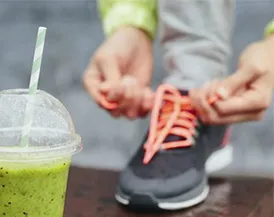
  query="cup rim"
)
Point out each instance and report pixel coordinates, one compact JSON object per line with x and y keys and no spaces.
{"x":23,"y":154}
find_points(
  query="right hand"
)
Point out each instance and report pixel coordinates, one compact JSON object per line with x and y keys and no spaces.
{"x":244,"y":95}
{"x":121,"y":70}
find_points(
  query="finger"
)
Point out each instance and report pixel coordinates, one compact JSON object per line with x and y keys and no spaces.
{"x":195,"y":97}
{"x":236,"y":118}
{"x":136,"y":106}
{"x":132,"y":97}
{"x":111,"y":75}
{"x":98,"y":72}
{"x":209,"y":112}
{"x":248,"y":101}
{"x":132,"y":103}
{"x":212,"y":92}
{"x":115,"y":94}
{"x":91,"y":81}
{"x":233,"y":83}
{"x":109,"y":69}
{"x":126,"y":104}
{"x":111,"y":97}
{"x":147,"y":102}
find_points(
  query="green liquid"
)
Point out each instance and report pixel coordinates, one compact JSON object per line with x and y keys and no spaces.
{"x":29,"y":190}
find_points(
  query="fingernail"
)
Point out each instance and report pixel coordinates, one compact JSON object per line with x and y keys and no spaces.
{"x":129,"y":80}
{"x":222,"y":92}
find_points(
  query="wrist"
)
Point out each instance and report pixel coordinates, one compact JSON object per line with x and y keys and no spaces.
{"x":134,"y":30}
{"x":133,"y":35}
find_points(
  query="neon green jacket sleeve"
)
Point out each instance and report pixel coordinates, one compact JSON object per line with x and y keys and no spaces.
{"x":139,"y":13}
{"x":269,"y":29}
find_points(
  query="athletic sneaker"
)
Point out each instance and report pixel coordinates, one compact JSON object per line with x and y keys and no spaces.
{"x":170,"y":169}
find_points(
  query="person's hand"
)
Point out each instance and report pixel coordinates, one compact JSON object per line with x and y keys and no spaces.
{"x":243,"y":96}
{"x":121,"y":70}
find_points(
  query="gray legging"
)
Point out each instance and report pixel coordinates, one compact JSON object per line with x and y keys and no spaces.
{"x":195,"y":36}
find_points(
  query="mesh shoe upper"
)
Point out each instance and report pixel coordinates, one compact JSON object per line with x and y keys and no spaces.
{"x":174,"y":170}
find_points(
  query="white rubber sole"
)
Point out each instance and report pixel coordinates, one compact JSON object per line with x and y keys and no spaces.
{"x":173,"y":206}
{"x":217,"y":161}
{"x":185,"y":204}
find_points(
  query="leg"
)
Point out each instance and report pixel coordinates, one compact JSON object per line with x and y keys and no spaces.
{"x":195,"y":35}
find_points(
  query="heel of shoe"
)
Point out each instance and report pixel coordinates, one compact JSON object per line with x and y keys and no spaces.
{"x":219,"y":159}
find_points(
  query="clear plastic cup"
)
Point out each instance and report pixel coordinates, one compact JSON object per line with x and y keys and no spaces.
{"x":33,"y":179}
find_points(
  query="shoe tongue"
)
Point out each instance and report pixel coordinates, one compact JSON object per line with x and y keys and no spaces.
{"x":184,"y":92}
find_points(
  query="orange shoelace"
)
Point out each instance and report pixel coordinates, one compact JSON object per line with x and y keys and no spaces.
{"x":172,"y":114}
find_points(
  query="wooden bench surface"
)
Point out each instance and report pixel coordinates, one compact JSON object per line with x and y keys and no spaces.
{"x":90,"y":194}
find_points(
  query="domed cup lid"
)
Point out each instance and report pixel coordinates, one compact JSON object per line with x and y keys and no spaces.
{"x":52,"y":134}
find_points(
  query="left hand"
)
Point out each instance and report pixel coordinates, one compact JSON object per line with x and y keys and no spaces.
{"x":243,"y":96}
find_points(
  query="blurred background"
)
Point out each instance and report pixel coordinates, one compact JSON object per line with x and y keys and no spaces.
{"x":74,"y":32}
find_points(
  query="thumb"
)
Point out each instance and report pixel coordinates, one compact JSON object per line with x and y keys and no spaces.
{"x":235,"y":82}
{"x":110,"y":72}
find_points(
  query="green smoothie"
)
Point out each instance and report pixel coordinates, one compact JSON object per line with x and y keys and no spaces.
{"x":32,"y":189}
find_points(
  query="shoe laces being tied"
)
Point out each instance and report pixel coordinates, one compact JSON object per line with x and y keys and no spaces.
{"x":172,"y":114}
